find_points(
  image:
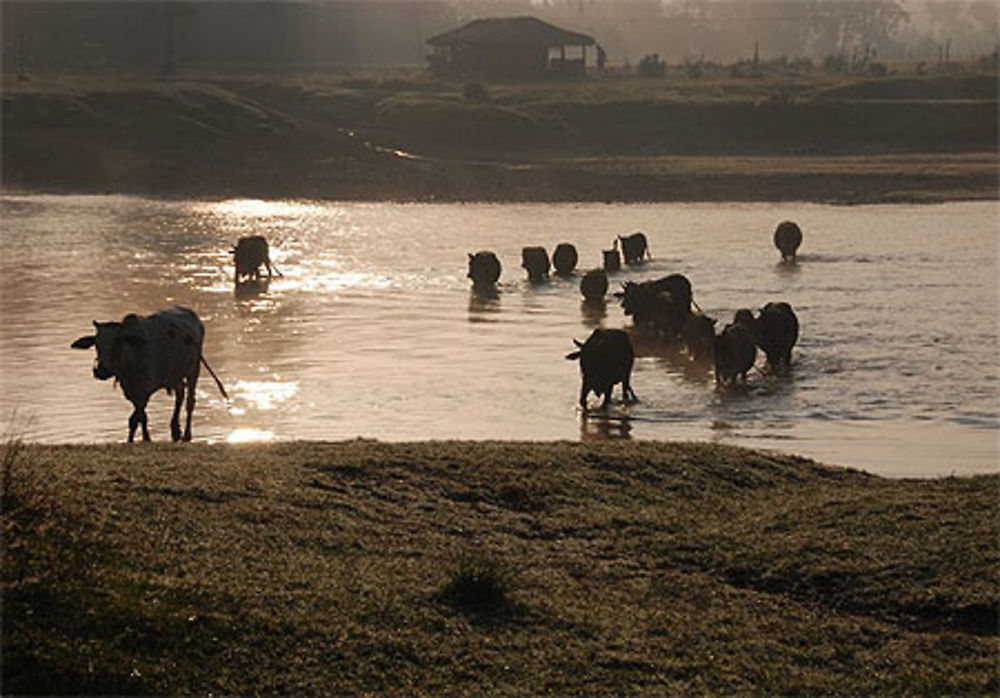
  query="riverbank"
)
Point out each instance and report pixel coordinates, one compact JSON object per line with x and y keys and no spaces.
{"x":823,"y":139}
{"x":429,"y":568}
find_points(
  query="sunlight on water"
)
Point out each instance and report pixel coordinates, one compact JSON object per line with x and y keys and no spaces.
{"x":247,"y":435}
{"x":373,"y":330}
{"x":264,"y":395}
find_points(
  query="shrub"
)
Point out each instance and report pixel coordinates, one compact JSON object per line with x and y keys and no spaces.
{"x":652,"y":67}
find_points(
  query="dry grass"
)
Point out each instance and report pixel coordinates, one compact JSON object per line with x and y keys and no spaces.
{"x":511,"y":568}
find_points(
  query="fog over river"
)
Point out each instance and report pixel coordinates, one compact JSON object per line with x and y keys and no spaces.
{"x":373,"y":330}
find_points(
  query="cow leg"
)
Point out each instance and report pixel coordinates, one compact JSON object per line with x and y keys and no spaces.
{"x":607,"y":397}
{"x":627,"y":393}
{"x":175,"y":421}
{"x":138,"y":417}
{"x":192,"y":383}
{"x":583,"y":397}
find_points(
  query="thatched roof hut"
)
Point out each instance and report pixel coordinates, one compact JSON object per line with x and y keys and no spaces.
{"x":508,"y":47}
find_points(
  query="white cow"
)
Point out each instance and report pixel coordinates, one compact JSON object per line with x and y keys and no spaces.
{"x":144,"y":354}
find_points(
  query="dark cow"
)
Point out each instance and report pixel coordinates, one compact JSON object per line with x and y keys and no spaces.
{"x":777,"y":333}
{"x":612,"y":259}
{"x":634,"y":248}
{"x":144,"y":354}
{"x":606,"y":359}
{"x":536,"y":261}
{"x":248,"y":256}
{"x":735,"y":354}
{"x":564,"y":259}
{"x":698,"y":334}
{"x":484,"y":269}
{"x":663,"y":304}
{"x":787,"y":238}
{"x":594,"y":285}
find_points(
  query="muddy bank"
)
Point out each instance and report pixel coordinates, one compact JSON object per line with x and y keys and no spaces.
{"x":232,"y":138}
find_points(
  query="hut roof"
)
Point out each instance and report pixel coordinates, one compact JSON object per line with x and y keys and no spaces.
{"x":510,"y":31}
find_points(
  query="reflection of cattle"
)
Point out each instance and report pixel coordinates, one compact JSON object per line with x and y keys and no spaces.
{"x":564,"y":259}
{"x":634,"y":248}
{"x":777,"y":332}
{"x":606,"y":359}
{"x":612,"y":259}
{"x":536,"y":261}
{"x":787,"y":238}
{"x":662,"y":304}
{"x":484,"y":269}
{"x":248,"y":256}
{"x":594,"y":285}
{"x":144,"y":354}
{"x":734,"y":354}
{"x":699,"y":336}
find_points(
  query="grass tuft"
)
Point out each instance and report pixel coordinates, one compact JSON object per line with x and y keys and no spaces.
{"x":480,"y":585}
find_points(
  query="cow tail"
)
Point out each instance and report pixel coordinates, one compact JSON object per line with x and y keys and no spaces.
{"x":217,"y":381}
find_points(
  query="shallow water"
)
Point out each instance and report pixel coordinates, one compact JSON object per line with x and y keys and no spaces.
{"x":373,"y":330}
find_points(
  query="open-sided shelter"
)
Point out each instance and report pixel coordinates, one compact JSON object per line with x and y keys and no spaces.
{"x":509,"y":47}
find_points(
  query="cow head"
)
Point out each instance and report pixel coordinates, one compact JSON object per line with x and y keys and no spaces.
{"x":110,"y":338}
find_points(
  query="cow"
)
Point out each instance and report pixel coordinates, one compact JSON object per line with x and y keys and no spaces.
{"x":787,"y":238}
{"x":594,"y":285}
{"x":606,"y":359}
{"x":612,"y":259}
{"x":735,"y":354}
{"x":536,"y":261}
{"x":484,"y":269}
{"x":777,"y":332}
{"x":249,"y":254}
{"x":144,"y":354}
{"x":564,"y":259}
{"x":663,"y":304}
{"x":698,"y":334}
{"x":634,"y":248}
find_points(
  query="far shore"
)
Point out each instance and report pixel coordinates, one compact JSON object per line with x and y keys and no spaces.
{"x":838,"y":140}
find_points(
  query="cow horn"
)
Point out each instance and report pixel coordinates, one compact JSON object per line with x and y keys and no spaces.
{"x":578,"y":343}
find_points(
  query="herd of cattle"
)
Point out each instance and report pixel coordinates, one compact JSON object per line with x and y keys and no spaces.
{"x":164,"y":350}
{"x":663,"y":308}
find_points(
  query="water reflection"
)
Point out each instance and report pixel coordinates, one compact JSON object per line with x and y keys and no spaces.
{"x":484,"y":304}
{"x":250,"y":289}
{"x":603,"y":426}
{"x":592,"y":313}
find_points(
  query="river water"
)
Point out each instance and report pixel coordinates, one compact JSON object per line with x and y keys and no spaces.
{"x":373,"y":330}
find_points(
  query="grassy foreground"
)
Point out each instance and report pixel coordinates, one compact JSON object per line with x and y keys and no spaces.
{"x":512,"y":568}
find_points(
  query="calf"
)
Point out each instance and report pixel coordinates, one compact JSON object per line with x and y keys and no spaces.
{"x":699,"y":336}
{"x":606,"y":359}
{"x":144,"y":354}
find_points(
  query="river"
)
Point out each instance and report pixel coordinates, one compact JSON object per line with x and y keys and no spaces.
{"x":373,"y":331}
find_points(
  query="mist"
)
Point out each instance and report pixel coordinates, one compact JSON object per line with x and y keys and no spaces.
{"x":292,"y":35}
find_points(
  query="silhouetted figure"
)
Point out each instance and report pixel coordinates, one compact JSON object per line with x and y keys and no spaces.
{"x":635,"y":248}
{"x":612,"y":259}
{"x":249,"y":255}
{"x":606,"y":359}
{"x":594,"y":285}
{"x":144,"y":354}
{"x":536,"y":261}
{"x":787,"y":238}
{"x":484,"y":269}
{"x":564,"y":259}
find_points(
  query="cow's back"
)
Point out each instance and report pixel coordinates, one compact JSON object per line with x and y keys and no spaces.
{"x":251,"y":252}
{"x":174,"y":339}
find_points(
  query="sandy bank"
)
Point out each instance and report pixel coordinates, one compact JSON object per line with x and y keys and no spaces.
{"x":333,"y":568}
